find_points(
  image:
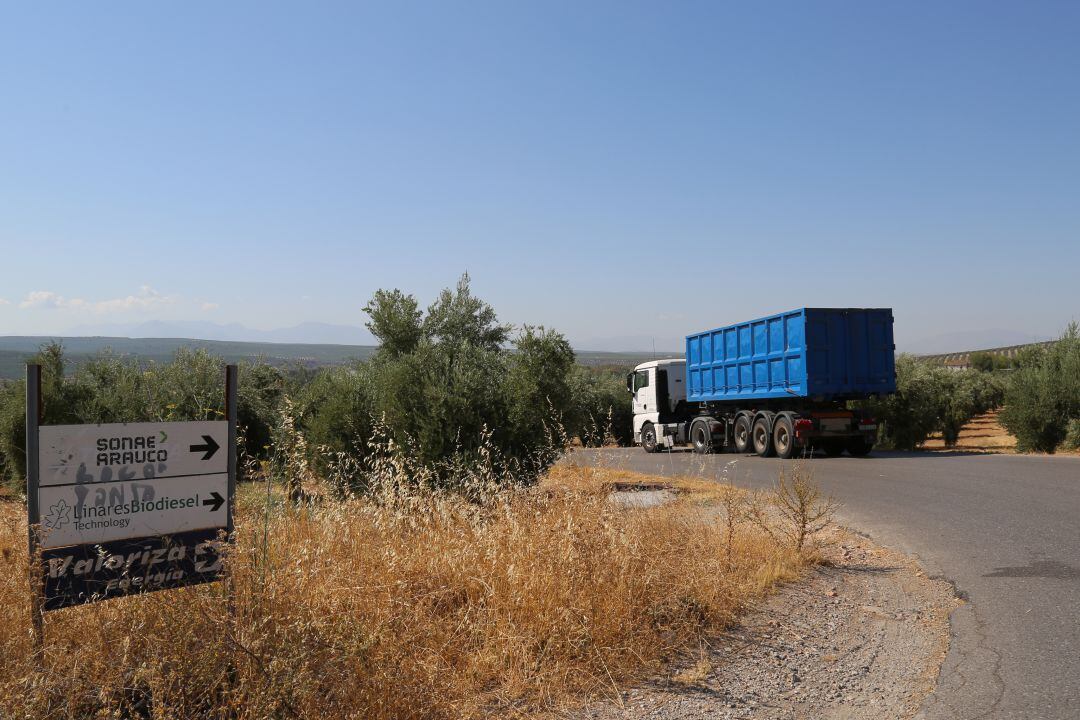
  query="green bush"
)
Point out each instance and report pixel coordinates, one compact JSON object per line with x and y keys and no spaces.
{"x":601,"y":412}
{"x":931,"y":398}
{"x":906,"y":418}
{"x":1072,"y":435}
{"x":538,"y":388}
{"x":448,"y":391}
{"x":336,"y":409}
{"x":1043,"y":396}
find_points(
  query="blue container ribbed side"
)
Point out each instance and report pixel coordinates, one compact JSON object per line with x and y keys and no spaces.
{"x":820,"y":353}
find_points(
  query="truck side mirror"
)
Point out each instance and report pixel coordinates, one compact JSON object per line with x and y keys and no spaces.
{"x":630,"y":382}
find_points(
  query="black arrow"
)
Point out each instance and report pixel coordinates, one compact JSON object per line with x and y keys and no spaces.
{"x":216,"y":500}
{"x":209,"y":448}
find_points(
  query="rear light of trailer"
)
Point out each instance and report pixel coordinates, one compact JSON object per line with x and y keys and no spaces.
{"x":803,"y":427}
{"x":867,"y":423}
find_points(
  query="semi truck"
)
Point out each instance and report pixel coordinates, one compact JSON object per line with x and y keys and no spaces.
{"x":778,"y":385}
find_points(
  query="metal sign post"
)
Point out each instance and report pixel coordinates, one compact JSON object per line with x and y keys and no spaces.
{"x":33,"y":420}
{"x":125,"y":508}
{"x":230,"y":418}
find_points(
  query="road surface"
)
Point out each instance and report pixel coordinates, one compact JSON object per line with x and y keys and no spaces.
{"x":1004,"y":529}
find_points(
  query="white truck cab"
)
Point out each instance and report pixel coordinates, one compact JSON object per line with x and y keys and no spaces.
{"x":659,"y":391}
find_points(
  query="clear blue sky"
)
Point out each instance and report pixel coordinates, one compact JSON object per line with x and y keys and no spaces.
{"x":619,"y":171}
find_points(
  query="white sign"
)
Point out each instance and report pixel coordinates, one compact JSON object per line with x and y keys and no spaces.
{"x":122,"y":452}
{"x":102,"y":483}
{"x":94,"y":513}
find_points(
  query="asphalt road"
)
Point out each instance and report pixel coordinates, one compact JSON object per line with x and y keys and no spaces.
{"x":1004,"y":529}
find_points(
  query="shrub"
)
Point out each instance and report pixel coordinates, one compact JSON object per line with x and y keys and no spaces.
{"x":538,"y":387}
{"x":600,"y":411}
{"x":1072,"y":435}
{"x":930,"y":398}
{"x":1044,"y":393}
{"x":336,"y":409}
{"x":907,"y":417}
{"x":444,"y":391}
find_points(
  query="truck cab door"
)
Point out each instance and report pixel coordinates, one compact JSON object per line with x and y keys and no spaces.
{"x":645,"y":391}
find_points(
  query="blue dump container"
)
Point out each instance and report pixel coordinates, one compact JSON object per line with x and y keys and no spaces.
{"x":812,"y":353}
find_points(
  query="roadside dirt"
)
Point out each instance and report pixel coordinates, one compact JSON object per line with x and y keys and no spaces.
{"x":861,"y":637}
{"x":983,"y":434}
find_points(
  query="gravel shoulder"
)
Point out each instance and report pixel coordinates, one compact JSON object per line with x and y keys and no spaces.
{"x":861,"y":636}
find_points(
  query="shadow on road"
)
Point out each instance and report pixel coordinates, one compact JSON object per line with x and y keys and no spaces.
{"x":1038,"y":569}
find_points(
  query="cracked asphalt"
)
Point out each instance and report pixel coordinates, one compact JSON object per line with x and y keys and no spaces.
{"x":1003,"y":529}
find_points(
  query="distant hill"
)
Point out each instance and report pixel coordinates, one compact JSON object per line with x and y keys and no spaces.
{"x":962,"y":358}
{"x":16,"y":349}
{"x":954,"y":341}
{"x":306,"y":333}
{"x":620,"y":359}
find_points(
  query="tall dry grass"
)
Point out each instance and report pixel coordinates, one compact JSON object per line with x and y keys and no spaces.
{"x":444,"y":609}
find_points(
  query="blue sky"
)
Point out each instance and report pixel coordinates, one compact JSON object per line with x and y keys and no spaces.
{"x":621,"y":171}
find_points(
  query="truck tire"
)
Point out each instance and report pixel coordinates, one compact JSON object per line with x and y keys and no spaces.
{"x":783,"y":437}
{"x":762,"y":437}
{"x":859,"y":448}
{"x":742,"y":435}
{"x":648,"y":438}
{"x":701,"y":437}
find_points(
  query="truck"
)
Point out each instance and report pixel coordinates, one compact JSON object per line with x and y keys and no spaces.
{"x":778,"y":385}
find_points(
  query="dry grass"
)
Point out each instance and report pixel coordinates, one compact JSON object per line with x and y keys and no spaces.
{"x":537,"y":601}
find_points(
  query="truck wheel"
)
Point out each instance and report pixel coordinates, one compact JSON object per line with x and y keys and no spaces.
{"x":742,"y":434}
{"x":701,"y":437}
{"x":762,"y":437}
{"x":648,"y":438}
{"x":783,"y":437}
{"x":859,"y":448}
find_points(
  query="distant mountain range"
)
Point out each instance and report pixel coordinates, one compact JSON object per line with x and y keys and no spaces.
{"x":317,"y":344}
{"x":15,"y":350}
{"x":304,"y":333}
{"x":963,"y":340}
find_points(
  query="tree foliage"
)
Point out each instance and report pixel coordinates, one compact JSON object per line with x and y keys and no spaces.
{"x":601,"y":412}
{"x":394,"y":320}
{"x":932,"y":398}
{"x":1043,"y":397}
{"x":448,"y":386}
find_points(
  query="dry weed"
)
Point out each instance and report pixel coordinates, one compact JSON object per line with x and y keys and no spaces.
{"x":432,"y":608}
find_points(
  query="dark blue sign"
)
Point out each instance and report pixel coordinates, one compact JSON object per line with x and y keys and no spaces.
{"x":81,"y":574}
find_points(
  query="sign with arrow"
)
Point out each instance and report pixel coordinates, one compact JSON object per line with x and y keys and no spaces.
{"x":118,"y":510}
{"x":87,"y":454}
{"x":128,"y":508}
